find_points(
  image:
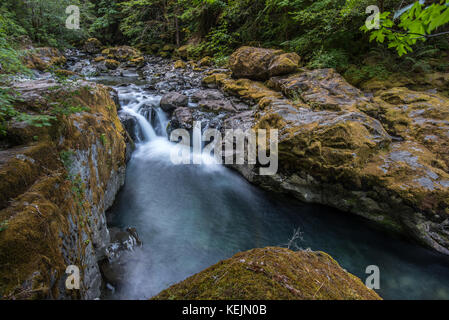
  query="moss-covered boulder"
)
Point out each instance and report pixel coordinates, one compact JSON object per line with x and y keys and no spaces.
{"x":261,"y":64}
{"x":43,"y":58}
{"x":272,"y":274}
{"x":180,"y":64}
{"x":111,"y":64}
{"x":64,"y":73}
{"x":137,"y":62}
{"x":55,"y":184}
{"x":122,"y":53}
{"x":92,"y":45}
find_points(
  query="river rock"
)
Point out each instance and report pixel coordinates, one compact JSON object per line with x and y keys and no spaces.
{"x":272,"y":274}
{"x":180,"y":64}
{"x":438,"y":81}
{"x":55,"y":185}
{"x":201,"y":95}
{"x":261,"y":64}
{"x":216,"y":101}
{"x":173,"y":100}
{"x":182,"y":118}
{"x":205,"y":62}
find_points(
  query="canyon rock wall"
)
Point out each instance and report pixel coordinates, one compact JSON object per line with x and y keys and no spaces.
{"x":55,"y":184}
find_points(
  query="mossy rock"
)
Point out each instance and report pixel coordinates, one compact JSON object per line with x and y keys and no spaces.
{"x":139,"y":61}
{"x":168,"y":48}
{"x":272,"y":274}
{"x":206,"y":62}
{"x":385,"y":158}
{"x":99,"y":59}
{"x":43,"y":58}
{"x":155,"y":47}
{"x":121,"y":53}
{"x":112,"y":64}
{"x":65,"y":73}
{"x":180,"y":64}
{"x":92,"y":45}
{"x":261,"y":64}
{"x":165,"y":54}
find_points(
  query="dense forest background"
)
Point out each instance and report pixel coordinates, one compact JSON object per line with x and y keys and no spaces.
{"x":326,"y":33}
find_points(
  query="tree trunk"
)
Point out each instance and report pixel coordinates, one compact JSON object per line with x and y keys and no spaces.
{"x":178,"y":41}
{"x":381,"y":5}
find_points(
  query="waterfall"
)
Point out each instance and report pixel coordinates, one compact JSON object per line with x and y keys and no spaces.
{"x":139,"y":104}
{"x":146,"y":127}
{"x":163,"y":121}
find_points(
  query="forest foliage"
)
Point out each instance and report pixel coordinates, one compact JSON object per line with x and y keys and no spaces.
{"x":326,"y":33}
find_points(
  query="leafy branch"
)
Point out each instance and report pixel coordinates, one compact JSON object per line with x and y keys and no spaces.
{"x":416,"y":24}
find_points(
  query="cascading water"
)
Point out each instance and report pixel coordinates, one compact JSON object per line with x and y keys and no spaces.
{"x":192,"y":216}
{"x":136,"y":104}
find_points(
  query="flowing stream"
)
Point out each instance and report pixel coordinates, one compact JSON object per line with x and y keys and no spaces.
{"x":189,"y":217}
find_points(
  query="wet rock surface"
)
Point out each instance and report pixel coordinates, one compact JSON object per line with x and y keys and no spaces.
{"x":118,"y":254}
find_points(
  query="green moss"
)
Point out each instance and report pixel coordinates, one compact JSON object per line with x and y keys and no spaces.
{"x":272,"y":273}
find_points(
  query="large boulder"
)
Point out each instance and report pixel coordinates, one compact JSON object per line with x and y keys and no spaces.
{"x":173,"y":100}
{"x":122,"y":53}
{"x":261,"y":64}
{"x":272,"y":274}
{"x":435,"y":81}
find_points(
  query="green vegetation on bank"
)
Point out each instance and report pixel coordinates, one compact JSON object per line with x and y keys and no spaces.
{"x":326,"y":33}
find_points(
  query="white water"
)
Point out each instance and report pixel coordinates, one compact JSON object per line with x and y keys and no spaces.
{"x":135,"y":101}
